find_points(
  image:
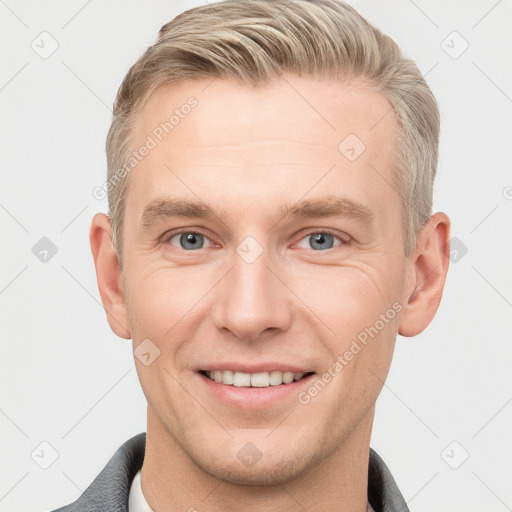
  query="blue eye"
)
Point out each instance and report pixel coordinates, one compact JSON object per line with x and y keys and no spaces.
{"x":321,"y":240}
{"x":189,"y":240}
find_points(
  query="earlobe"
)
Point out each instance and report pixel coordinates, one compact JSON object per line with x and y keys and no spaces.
{"x":429,"y":268}
{"x":109,"y":275}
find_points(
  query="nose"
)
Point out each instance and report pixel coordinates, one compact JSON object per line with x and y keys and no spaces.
{"x":252,"y":298}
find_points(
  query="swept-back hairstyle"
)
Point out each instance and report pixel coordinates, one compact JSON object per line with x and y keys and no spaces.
{"x":255,"y":41}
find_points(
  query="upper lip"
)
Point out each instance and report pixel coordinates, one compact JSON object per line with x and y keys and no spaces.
{"x":255,"y":368}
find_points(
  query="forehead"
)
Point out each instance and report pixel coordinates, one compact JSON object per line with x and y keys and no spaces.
{"x":296,"y":109}
{"x":277,"y":139}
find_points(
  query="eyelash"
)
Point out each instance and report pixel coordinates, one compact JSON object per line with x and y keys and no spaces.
{"x":169,"y":236}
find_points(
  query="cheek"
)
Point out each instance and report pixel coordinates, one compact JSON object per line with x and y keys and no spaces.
{"x":348,"y":299}
{"x":361,"y":356}
{"x":358,"y":307}
{"x":158,"y":299}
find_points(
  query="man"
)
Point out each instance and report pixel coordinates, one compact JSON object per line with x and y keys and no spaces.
{"x":270,"y":172}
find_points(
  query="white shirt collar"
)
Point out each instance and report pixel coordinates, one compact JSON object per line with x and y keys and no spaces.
{"x":137,"y":502}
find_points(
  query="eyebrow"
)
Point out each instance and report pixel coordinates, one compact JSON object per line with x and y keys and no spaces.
{"x":330,"y":206}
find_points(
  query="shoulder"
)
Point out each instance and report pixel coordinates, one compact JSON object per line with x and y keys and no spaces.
{"x":111,"y":488}
{"x":383,"y":492}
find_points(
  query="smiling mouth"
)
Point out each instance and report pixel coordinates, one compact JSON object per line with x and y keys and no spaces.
{"x":254,"y":380}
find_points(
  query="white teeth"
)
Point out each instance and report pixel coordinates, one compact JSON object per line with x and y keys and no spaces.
{"x":276,"y":378}
{"x":260,"y":380}
{"x":287,"y":377}
{"x":228,"y":377}
{"x":257,"y":380}
{"x":242,"y":379}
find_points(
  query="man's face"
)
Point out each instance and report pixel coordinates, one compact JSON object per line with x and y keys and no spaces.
{"x":254,"y":290}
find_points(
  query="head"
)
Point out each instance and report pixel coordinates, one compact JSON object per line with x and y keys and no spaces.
{"x":309,"y":146}
{"x":253,"y":43}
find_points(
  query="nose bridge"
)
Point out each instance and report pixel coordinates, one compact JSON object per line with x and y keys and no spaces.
{"x":251,"y":298}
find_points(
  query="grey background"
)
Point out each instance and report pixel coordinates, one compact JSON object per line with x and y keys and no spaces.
{"x":67,"y":380}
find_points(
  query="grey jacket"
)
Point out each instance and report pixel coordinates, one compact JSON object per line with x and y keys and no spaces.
{"x":110,"y":489}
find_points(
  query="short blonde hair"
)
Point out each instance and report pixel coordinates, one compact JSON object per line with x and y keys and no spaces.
{"x":255,"y":41}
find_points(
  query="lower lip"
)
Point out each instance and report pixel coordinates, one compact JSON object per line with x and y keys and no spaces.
{"x":252,"y":397}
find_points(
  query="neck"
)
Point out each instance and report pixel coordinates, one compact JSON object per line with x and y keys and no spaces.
{"x":172,"y":481}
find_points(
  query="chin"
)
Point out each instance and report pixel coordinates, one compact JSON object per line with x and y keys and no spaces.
{"x":270,"y":464}
{"x":261,"y":473}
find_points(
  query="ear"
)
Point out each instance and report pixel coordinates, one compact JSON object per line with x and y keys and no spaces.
{"x":109,"y":275}
{"x":429,"y":265}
